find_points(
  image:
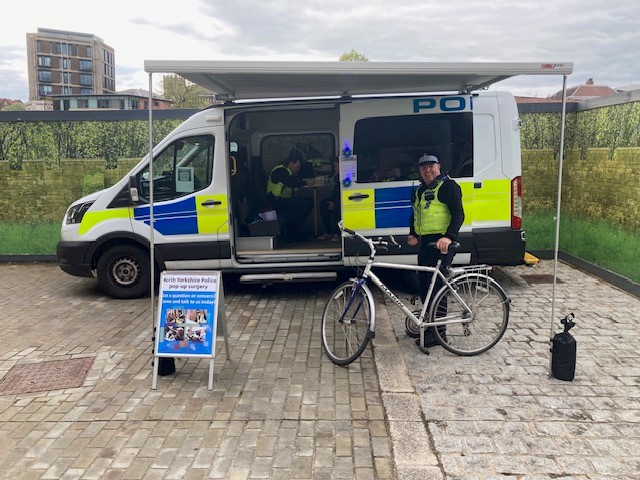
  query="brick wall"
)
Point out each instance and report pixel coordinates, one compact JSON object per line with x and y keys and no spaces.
{"x":39,"y":193}
{"x":599,"y":186}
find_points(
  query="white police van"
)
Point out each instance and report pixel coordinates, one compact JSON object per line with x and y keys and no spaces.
{"x":210,"y":209}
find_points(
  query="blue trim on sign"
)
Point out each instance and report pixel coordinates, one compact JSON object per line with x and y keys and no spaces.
{"x":393,"y":207}
{"x":174,"y":218}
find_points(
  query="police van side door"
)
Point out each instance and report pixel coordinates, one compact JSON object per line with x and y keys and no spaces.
{"x":386,"y":136}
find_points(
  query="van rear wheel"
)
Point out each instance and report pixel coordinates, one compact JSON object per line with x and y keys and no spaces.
{"x":124,"y":272}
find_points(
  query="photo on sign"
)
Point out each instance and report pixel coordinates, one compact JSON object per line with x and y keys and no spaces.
{"x":187,"y":330}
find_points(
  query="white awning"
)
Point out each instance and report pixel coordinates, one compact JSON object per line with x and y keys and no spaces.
{"x":264,"y":79}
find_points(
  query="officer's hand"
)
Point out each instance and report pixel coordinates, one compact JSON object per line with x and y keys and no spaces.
{"x":443,"y":244}
{"x":412,"y":240}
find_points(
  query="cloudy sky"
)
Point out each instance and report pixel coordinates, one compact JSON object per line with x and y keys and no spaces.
{"x":601,"y":37}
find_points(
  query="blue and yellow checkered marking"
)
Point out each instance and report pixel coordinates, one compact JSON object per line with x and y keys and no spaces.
{"x":184,"y":217}
{"x":381,"y":208}
{"x":175,"y":218}
{"x":392,"y":207}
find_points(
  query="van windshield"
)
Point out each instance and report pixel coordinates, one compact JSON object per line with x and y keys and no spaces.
{"x":388,"y":147}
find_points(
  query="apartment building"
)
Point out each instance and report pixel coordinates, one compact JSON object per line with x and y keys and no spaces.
{"x":68,"y":63}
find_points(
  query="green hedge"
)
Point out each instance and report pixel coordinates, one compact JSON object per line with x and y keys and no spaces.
{"x":55,"y":141}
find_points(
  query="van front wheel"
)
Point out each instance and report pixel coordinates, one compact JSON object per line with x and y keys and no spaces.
{"x":124,"y":272}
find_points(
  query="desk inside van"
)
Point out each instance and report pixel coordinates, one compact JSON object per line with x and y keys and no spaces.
{"x":317,"y":192}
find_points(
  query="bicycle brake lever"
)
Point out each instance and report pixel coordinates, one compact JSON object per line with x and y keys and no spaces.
{"x":394,"y":242}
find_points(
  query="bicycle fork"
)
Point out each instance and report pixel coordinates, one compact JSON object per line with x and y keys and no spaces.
{"x":359,"y":283}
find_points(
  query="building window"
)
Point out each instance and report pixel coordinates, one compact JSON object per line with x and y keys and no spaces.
{"x":73,"y":50}
{"x":44,"y":90}
{"x":88,"y":51}
{"x":65,"y":49}
{"x":56,"y":48}
{"x":65,"y":63}
{"x":38,"y":46}
{"x":86,"y":79}
{"x":65,"y":77}
{"x":103,"y":103}
{"x":44,"y":61}
{"x":83,"y":103}
{"x":67,"y":90}
{"x":84,"y":65}
{"x":44,"y":76}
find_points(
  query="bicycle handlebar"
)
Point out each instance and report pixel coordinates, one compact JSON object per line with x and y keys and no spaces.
{"x":369,"y":241}
{"x":453,"y":247}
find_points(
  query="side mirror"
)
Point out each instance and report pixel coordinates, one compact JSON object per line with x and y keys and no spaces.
{"x":133,"y":190}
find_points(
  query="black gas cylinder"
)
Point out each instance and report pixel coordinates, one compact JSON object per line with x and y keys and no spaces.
{"x":563,"y":352}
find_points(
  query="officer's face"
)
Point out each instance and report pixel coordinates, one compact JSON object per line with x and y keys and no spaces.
{"x":429,"y":172}
{"x":294,"y":166}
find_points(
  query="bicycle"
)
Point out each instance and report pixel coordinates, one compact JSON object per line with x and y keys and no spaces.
{"x":471,"y":304}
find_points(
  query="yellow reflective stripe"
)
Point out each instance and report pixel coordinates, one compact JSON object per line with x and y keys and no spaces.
{"x":359,"y":214}
{"x":492,"y":202}
{"x":213,"y":219}
{"x":91,"y":219}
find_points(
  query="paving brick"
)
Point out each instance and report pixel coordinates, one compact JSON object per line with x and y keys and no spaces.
{"x":280,"y":409}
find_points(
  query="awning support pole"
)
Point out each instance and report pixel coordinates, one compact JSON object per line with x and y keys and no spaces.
{"x":151,"y":223}
{"x":557,"y":218}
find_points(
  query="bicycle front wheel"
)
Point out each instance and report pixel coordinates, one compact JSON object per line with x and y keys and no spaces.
{"x":478,"y":330}
{"x":348,"y":322}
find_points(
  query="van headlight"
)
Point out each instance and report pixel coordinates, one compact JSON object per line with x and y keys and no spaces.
{"x":76,"y":212}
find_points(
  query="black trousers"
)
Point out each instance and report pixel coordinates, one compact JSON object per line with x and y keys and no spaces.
{"x":428,"y":257}
{"x":330,"y":218}
{"x":294,"y":211}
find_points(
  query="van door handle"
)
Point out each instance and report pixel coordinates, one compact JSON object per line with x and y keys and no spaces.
{"x":358,"y":196}
{"x":211,"y":203}
{"x":477,"y":185}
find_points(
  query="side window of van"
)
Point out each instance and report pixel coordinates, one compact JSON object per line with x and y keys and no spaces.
{"x":182,"y":168}
{"x":387,"y":147}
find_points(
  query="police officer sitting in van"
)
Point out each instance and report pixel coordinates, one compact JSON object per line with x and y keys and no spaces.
{"x":282,"y":181}
{"x":437,"y":217}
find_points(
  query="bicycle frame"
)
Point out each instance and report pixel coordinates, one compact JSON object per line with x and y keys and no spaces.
{"x":342,"y":337}
{"x":419,"y":321}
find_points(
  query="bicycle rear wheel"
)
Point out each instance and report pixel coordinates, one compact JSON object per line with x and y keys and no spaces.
{"x":348,"y":322}
{"x":487,"y":321}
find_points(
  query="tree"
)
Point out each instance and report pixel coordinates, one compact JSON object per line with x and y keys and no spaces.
{"x":183,"y":93}
{"x":353,"y":56}
{"x":14,"y":107}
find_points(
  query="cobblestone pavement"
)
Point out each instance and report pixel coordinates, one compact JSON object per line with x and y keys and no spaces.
{"x":499,"y":415}
{"x":280,"y":409}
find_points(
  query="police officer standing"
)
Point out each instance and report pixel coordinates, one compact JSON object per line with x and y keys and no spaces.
{"x":282,"y":181}
{"x":437,"y":217}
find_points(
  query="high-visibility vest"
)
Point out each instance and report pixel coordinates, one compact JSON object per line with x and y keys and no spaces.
{"x":279,"y":190}
{"x":430,"y":215}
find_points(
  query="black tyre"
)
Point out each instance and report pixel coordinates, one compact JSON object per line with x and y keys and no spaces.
{"x":488,"y":319}
{"x":124,"y":272}
{"x":347,"y":322}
